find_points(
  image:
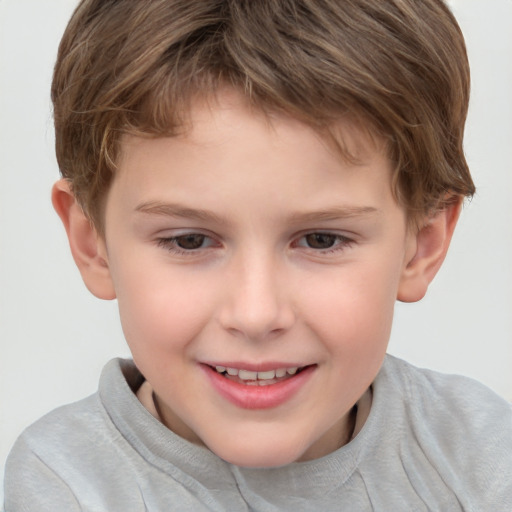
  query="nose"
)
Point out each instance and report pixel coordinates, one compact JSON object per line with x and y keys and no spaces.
{"x":257,"y":303}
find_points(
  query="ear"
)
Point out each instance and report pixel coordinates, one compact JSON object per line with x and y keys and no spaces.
{"x":88,"y":248}
{"x":426,"y":252}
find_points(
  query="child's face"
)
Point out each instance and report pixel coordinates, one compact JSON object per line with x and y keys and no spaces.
{"x":254,"y":246}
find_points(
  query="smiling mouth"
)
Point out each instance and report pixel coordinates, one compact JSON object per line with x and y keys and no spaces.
{"x":253,"y":378}
{"x":254,"y":389}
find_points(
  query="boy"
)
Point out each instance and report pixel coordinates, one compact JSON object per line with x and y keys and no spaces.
{"x":257,"y":183}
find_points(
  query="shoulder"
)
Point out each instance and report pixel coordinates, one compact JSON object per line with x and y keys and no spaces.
{"x":455,"y":398}
{"x":36,"y":470}
{"x":69,"y":429}
{"x":62,"y":426}
{"x":64,"y":451}
{"x":464,"y":429}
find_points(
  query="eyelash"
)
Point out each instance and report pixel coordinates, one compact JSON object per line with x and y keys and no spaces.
{"x":340,"y":243}
{"x":171,"y":244}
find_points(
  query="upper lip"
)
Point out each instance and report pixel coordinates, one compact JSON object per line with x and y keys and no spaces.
{"x":256,"y":367}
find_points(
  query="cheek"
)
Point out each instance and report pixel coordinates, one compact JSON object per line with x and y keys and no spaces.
{"x":354,"y":311}
{"x":161,"y":310}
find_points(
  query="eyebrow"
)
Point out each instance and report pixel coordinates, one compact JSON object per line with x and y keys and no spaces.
{"x":336,"y":213}
{"x":180,"y":211}
{"x":177,"y":210}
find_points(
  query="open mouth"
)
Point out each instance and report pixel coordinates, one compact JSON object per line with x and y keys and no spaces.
{"x":253,"y":378}
{"x":253,"y":389}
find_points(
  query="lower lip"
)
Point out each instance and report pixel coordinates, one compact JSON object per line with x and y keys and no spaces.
{"x":258,"y":397}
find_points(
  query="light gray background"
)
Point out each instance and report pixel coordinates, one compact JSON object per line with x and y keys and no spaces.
{"x":55,"y":337}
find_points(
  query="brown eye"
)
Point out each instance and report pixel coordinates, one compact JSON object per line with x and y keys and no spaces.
{"x":320,"y":240}
{"x":190,"y":242}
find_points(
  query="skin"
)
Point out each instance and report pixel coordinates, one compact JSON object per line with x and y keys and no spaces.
{"x":255,"y":285}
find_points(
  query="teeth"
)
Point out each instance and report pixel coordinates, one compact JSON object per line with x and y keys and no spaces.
{"x":247,"y":375}
{"x":250,"y":375}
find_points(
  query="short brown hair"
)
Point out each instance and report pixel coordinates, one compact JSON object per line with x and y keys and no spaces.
{"x":132,"y":67}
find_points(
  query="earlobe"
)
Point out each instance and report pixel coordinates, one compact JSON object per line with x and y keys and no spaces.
{"x":428,"y":248}
{"x":87,"y":247}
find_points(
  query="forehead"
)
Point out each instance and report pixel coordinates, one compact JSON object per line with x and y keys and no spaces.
{"x":226,"y":138}
{"x":214,"y":120}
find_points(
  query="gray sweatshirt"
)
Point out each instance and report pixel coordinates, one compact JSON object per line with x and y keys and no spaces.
{"x":431,"y":442}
